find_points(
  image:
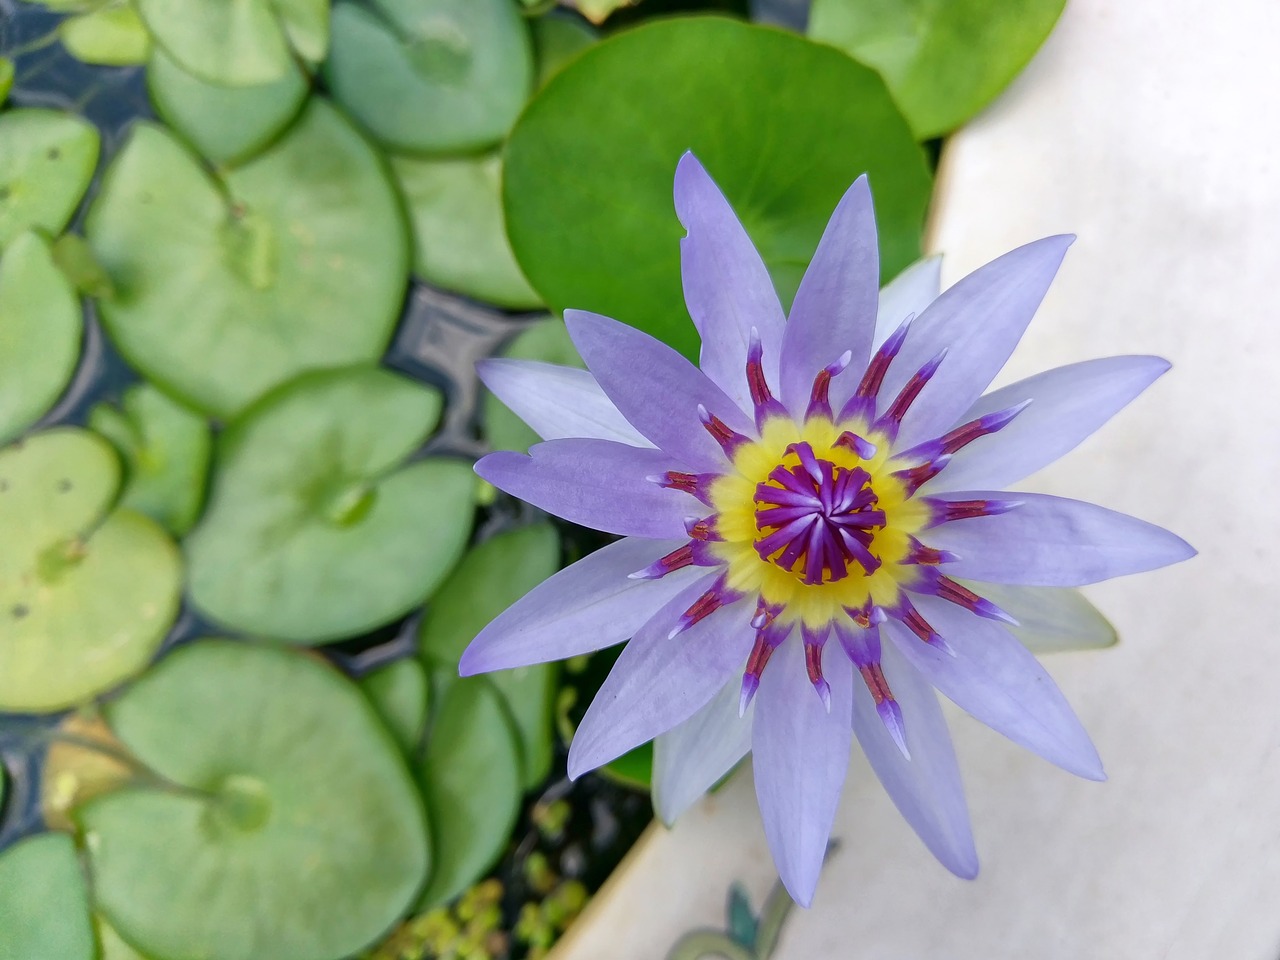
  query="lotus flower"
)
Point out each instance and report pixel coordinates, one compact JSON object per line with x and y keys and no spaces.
{"x":808,"y":522}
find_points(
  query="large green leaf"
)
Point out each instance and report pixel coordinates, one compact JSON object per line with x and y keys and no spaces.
{"x":295,"y":261}
{"x":288,"y":826}
{"x":84,"y":602}
{"x":226,"y":124}
{"x":316,"y":528}
{"x":47,"y":159}
{"x":459,"y":234}
{"x":944,"y":60}
{"x":44,"y":907}
{"x":490,"y":578}
{"x":238,"y":43}
{"x":166,"y":450}
{"x":113,"y":36}
{"x":398,"y":691}
{"x":471,"y":780}
{"x":432,"y":76}
{"x":40,"y":332}
{"x":784,"y":125}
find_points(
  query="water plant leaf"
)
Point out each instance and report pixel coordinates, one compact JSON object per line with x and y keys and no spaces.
{"x":225,"y":124}
{"x":165,"y":448}
{"x":40,"y":333}
{"x":547,"y":341}
{"x":44,"y":907}
{"x":316,"y":528}
{"x":399,"y":693}
{"x":84,"y":601}
{"x":84,"y":760}
{"x":492,"y":576}
{"x":285,"y":823}
{"x":644,"y":95}
{"x":432,"y":76}
{"x":113,"y":36}
{"x":471,"y":780}
{"x":460,"y":238}
{"x":47,"y":159}
{"x":944,"y":60}
{"x":112,"y":946}
{"x":557,"y":39}
{"x":6,"y":78}
{"x":297,"y":260}
{"x":238,"y":44}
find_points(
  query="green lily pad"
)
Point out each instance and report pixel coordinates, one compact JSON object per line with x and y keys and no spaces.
{"x":548,"y":341}
{"x":112,"y":946}
{"x":944,"y":60}
{"x":783,"y":124}
{"x":6,"y":78}
{"x":74,"y":257}
{"x":398,"y":692}
{"x":239,"y":44}
{"x":225,"y":124}
{"x":84,"y":760}
{"x":84,"y":602}
{"x":111,"y":36}
{"x":302,"y":263}
{"x":471,"y":781}
{"x":166,"y":449}
{"x":44,"y":907}
{"x":40,"y":333}
{"x":293,"y":831}
{"x":633,"y":769}
{"x":557,"y":40}
{"x":460,"y":238}
{"x":431,"y":76}
{"x":491,"y":577}
{"x":315,"y":530}
{"x":47,"y":159}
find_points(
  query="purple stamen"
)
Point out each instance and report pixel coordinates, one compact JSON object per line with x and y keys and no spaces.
{"x":768,"y":639}
{"x":728,"y":438}
{"x":964,"y":434}
{"x":702,"y":529}
{"x":945,"y":511}
{"x":914,"y":621}
{"x":929,"y":556}
{"x":863,"y":648}
{"x":859,"y":445}
{"x":765,"y":403}
{"x":820,"y":396}
{"x":913,"y":478}
{"x":697,"y":484}
{"x":947,"y":589}
{"x":814,"y":641}
{"x":863,"y":402}
{"x":703,"y":607}
{"x":892,"y":419}
{"x":690,"y":554}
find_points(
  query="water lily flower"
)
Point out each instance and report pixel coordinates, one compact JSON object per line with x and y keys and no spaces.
{"x":807,"y":522}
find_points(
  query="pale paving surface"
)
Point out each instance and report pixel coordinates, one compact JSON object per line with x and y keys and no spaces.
{"x":1148,"y":128}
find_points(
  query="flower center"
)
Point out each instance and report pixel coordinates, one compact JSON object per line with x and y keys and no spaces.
{"x":816,"y":518}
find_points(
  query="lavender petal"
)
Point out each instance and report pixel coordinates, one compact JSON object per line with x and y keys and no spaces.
{"x":689,"y":759}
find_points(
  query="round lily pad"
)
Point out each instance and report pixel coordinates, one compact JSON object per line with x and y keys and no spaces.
{"x":459,"y":235}
{"x":44,"y":907}
{"x":548,"y":341}
{"x":111,"y":36}
{"x":84,"y":760}
{"x":40,"y":332}
{"x":783,"y":124}
{"x":431,"y":76}
{"x":112,"y":946}
{"x":47,"y":159}
{"x":6,"y":78}
{"x":944,"y":60}
{"x":297,"y":260}
{"x":315,"y":530}
{"x":166,"y":450}
{"x":471,"y":780}
{"x":84,"y":602}
{"x":292,"y":830}
{"x":491,"y":577}
{"x":557,"y":39}
{"x":398,"y":692}
{"x":239,"y":44}
{"x":225,"y":124}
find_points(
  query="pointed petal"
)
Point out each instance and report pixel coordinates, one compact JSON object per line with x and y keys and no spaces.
{"x":800,"y":756}
{"x":1067,"y":405}
{"x":598,"y":483}
{"x":656,"y":389}
{"x":586,"y":606}
{"x":691,"y":758}
{"x":1050,"y":619}
{"x":659,"y":682}
{"x":993,"y":677}
{"x":926,"y":789}
{"x":557,"y":402}
{"x":979,"y":321}
{"x":835,"y":307}
{"x":1053,"y":542}
{"x":907,"y":294}
{"x":726,"y":285}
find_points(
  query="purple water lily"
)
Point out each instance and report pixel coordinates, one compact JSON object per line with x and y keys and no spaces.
{"x":807,"y":522}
